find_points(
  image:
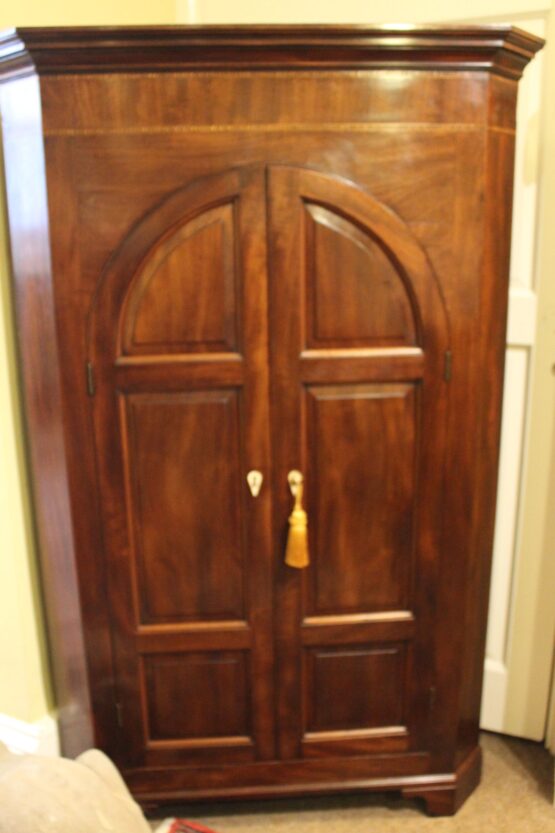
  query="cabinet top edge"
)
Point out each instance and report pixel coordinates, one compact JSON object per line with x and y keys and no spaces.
{"x":501,"y":49}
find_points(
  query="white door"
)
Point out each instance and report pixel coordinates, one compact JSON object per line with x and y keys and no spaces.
{"x":507,"y":622}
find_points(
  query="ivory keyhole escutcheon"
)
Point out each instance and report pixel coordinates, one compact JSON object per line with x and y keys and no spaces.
{"x":254,"y":479}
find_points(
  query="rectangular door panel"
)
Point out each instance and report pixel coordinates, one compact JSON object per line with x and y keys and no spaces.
{"x":362,"y":441}
{"x":355,"y":688}
{"x":197,"y":696}
{"x":184,"y":452}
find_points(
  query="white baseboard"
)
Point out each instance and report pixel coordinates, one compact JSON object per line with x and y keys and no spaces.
{"x":494,"y":694}
{"x":38,"y":738}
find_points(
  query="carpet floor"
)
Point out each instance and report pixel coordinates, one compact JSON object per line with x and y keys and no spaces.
{"x":515,"y":795}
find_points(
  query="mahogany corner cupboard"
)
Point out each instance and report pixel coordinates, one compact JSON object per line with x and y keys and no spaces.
{"x":241,"y":253}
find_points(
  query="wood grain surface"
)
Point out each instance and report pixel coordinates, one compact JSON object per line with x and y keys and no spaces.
{"x":266,"y":249}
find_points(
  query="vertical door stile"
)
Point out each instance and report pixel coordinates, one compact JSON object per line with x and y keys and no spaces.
{"x":284,"y":258}
{"x":258,"y":454}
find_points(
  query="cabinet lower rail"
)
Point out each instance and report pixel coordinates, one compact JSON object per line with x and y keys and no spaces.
{"x":443,"y":793}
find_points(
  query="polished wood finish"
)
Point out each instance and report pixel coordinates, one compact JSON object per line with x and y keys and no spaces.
{"x":444,"y":798}
{"x":362,"y":446}
{"x":501,"y":49}
{"x":170,"y":310}
{"x":39,"y":361}
{"x":265,"y":248}
{"x":172,"y":478}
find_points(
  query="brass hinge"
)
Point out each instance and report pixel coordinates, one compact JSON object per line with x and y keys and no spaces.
{"x":119,"y":714}
{"x":448,"y":366}
{"x":431,"y":698}
{"x":91,"y":387}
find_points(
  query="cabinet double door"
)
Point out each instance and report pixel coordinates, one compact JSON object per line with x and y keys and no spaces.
{"x":269,"y":319}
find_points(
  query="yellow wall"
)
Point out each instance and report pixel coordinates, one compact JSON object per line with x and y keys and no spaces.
{"x":350,"y":11}
{"x":86,"y":13}
{"x":25,"y":691}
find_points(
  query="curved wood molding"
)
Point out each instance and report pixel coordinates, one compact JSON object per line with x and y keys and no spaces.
{"x":502,"y":50}
{"x":405,"y":254}
{"x":184,"y":296}
{"x":139,"y":258}
{"x":347,"y":262}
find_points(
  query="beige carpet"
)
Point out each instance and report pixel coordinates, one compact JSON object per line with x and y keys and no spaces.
{"x":515,"y":796}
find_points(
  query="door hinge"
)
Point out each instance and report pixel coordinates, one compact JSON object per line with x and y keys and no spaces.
{"x":119,"y":714}
{"x":431,"y":698}
{"x":91,"y":387}
{"x":448,"y":366}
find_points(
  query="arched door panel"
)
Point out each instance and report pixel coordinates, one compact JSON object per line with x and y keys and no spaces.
{"x":185,"y":298}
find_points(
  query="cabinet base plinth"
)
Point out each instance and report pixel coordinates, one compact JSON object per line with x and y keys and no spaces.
{"x":443,"y":794}
{"x":446,"y":799}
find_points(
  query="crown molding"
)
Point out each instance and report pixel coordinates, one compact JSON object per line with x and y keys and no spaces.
{"x":500,"y":49}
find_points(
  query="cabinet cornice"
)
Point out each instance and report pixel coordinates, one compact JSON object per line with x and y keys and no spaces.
{"x":502,"y":50}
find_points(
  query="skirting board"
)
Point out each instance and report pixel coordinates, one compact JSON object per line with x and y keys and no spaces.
{"x":38,"y":738}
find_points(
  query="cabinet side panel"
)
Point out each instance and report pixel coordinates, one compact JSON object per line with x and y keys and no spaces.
{"x":30,"y":254}
{"x":499,"y":161}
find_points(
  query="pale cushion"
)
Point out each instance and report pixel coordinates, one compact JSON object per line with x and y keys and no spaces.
{"x":56,"y":795}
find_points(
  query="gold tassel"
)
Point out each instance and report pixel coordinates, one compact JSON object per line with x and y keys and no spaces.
{"x":296,"y":553}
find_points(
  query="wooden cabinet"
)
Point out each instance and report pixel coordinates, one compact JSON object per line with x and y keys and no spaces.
{"x":265,"y":249}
